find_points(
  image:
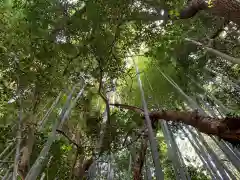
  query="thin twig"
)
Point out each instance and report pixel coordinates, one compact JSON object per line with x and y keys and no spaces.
{"x":68,"y":138}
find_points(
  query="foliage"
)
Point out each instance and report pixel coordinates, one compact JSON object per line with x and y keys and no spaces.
{"x":47,"y":47}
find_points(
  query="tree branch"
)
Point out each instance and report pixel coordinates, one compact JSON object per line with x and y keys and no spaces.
{"x":227,"y":128}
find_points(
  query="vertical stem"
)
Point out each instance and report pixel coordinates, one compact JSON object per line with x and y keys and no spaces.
{"x":37,"y":166}
{"x":172,"y":147}
{"x":153,"y":143}
{"x":19,"y":134}
{"x":175,"y":156}
{"x":130,"y":165}
{"x":139,"y":161}
{"x":171,"y":151}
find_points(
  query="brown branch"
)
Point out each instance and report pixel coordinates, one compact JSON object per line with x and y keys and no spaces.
{"x":226,"y":128}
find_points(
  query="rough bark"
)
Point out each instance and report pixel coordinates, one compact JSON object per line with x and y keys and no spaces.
{"x":23,"y":166}
{"x":227,"y":128}
{"x":80,"y":165}
{"x":228,"y":9}
{"x":138,"y":164}
{"x":82,"y":168}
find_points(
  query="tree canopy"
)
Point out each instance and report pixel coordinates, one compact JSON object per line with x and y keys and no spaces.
{"x":119,"y":89}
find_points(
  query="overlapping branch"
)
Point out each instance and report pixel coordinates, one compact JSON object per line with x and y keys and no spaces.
{"x":227,"y":128}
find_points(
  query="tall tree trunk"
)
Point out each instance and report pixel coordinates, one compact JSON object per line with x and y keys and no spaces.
{"x":228,"y":9}
{"x":139,"y":161}
{"x":19,"y":135}
{"x":151,"y":136}
{"x":26,"y":153}
{"x":39,"y":163}
{"x":110,"y":175}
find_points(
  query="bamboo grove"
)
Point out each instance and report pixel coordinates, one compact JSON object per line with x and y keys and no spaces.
{"x":120,"y":89}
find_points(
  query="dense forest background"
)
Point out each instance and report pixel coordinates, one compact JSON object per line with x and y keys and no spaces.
{"x":87,"y":88}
